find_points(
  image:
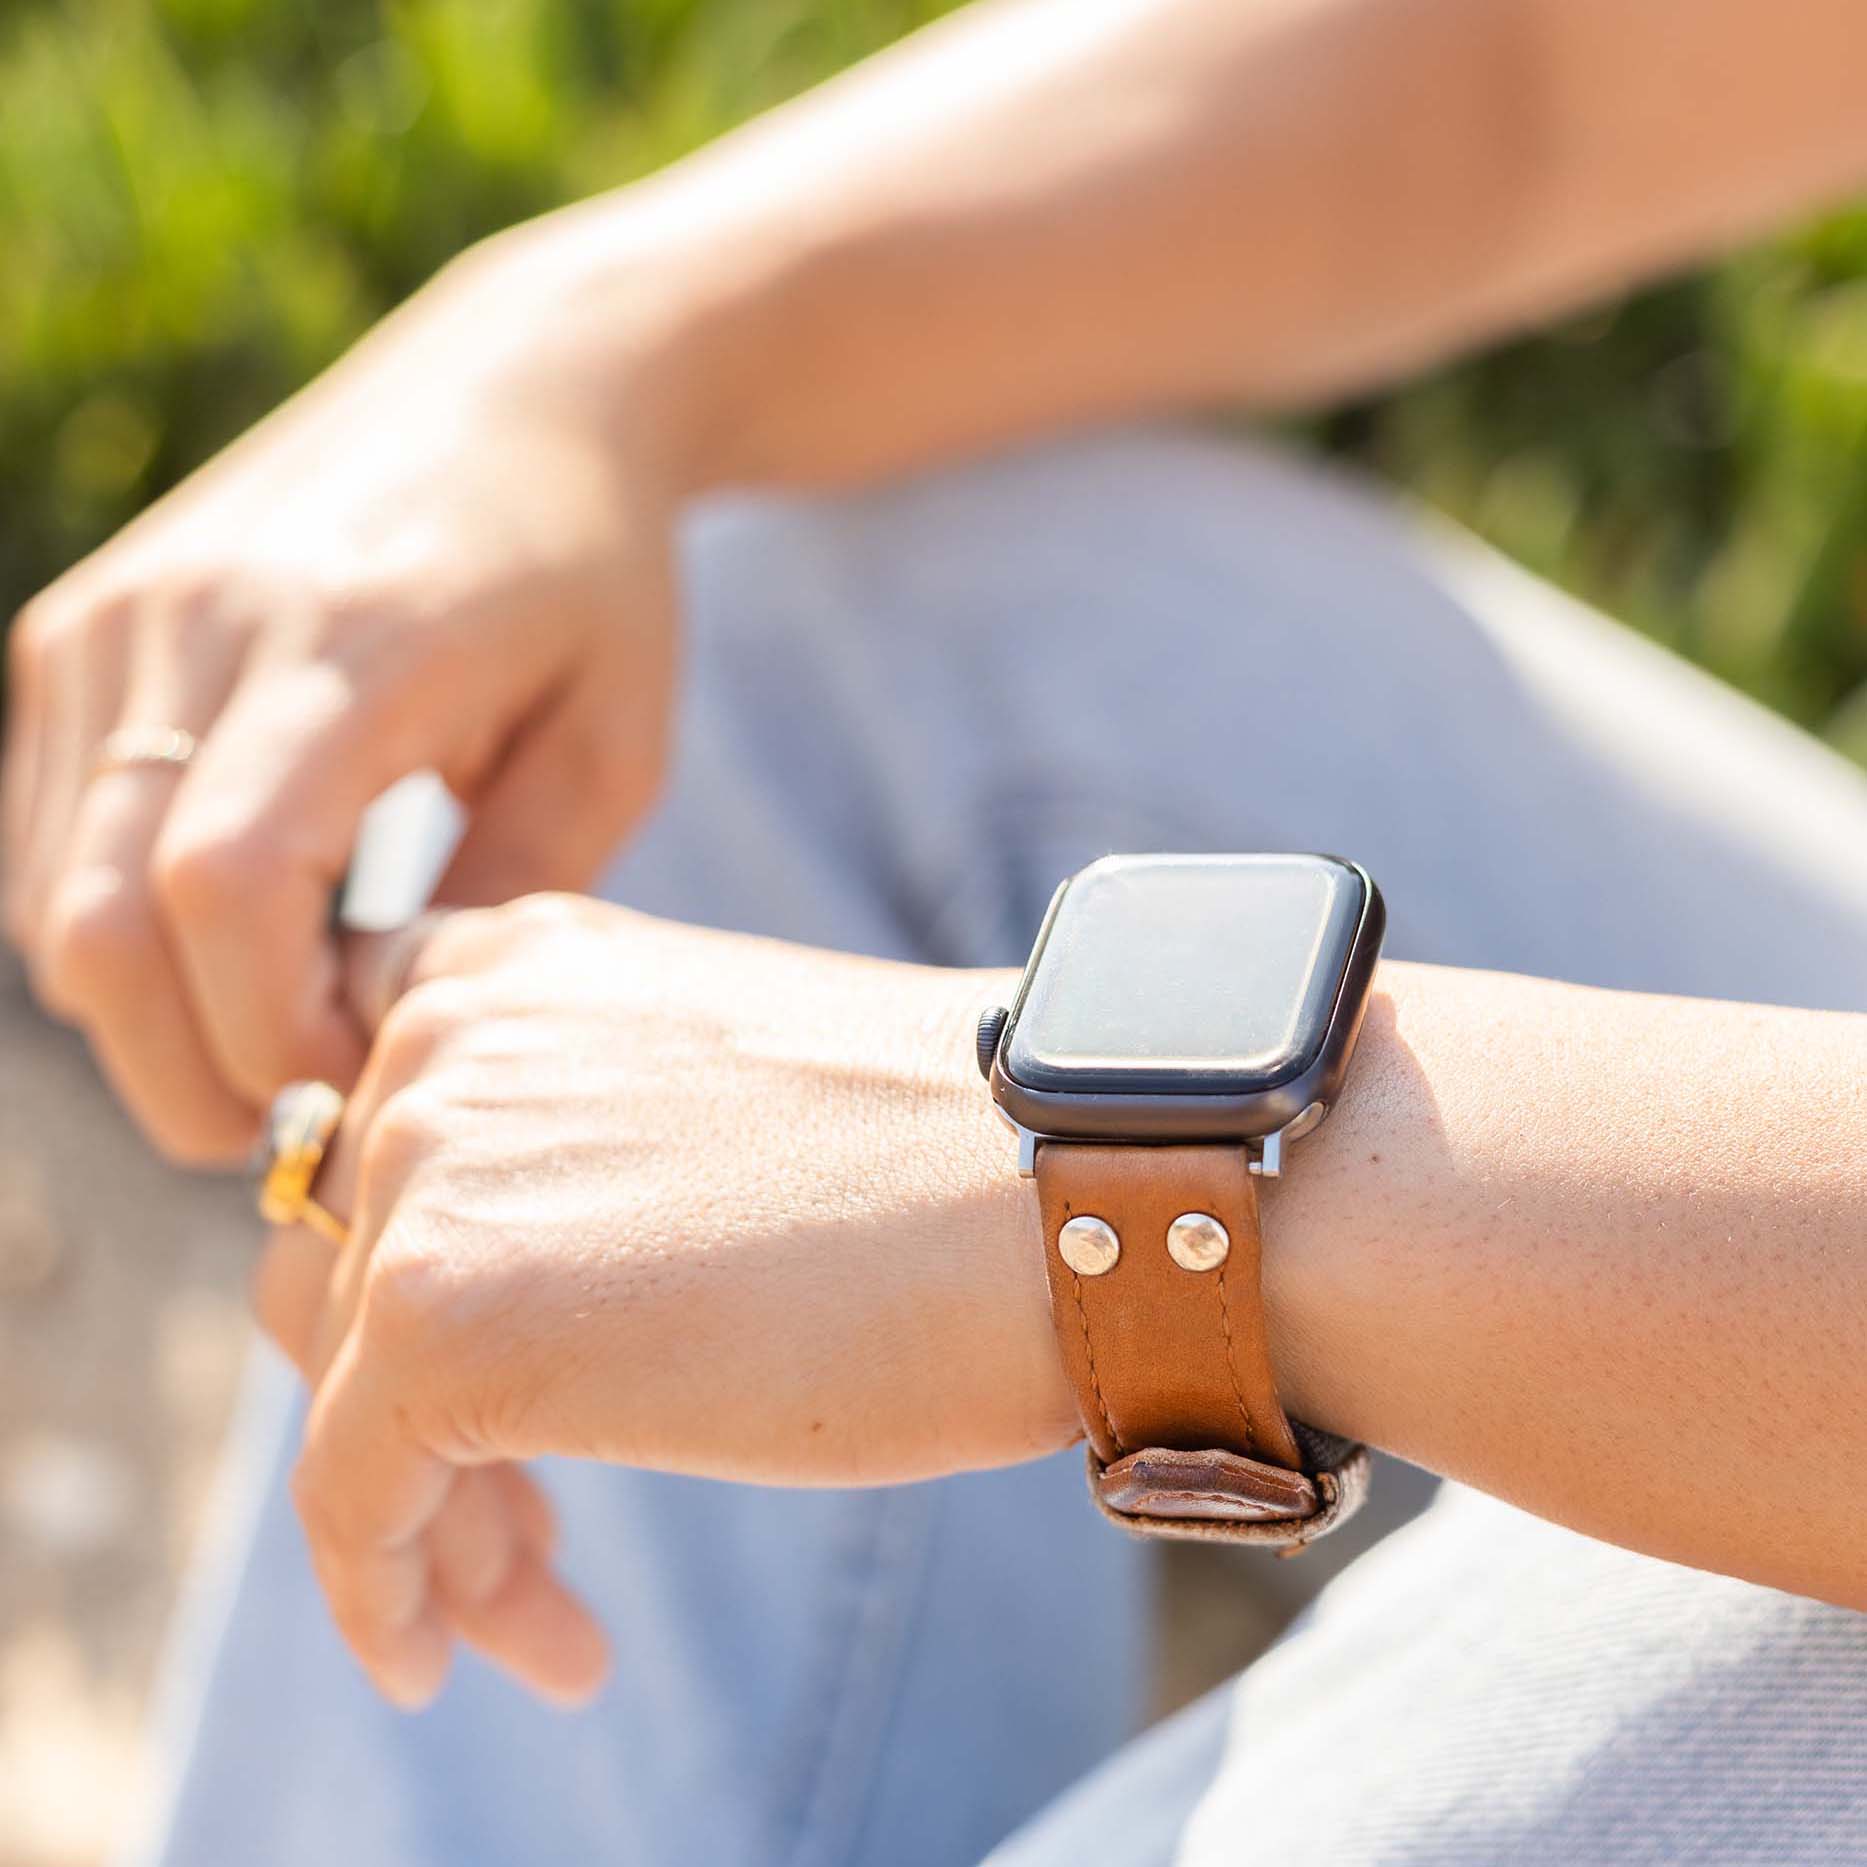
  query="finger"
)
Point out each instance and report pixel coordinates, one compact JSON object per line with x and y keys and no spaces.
{"x":144,"y":1036}
{"x":83,"y":675}
{"x":379,"y":968}
{"x":249,"y":862}
{"x":491,"y":1542}
{"x":534,"y":1512}
{"x":290,"y":1288}
{"x":19,"y":763}
{"x":367,"y":1493}
{"x":552,"y":812}
{"x":107,"y":955}
{"x":495,"y":1584}
{"x":304,"y":1287}
{"x":536,"y":1629}
{"x":306,"y":1291}
{"x":367,"y":1489}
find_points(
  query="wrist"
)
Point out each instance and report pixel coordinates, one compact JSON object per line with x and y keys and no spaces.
{"x":1182,"y":1025}
{"x":1348,"y":1217}
{"x":986,"y":1258}
{"x":644,"y":313}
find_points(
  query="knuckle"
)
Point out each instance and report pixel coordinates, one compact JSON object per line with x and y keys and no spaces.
{"x":64,"y":622}
{"x":47,"y":621}
{"x":198,"y":876}
{"x":410,"y":1301}
{"x":549,"y":913}
{"x":457,"y":1399}
{"x":26,"y":639}
{"x":422,"y":1022}
{"x":442,"y":1319}
{"x":534,"y":921}
{"x":464,"y":942}
{"x":408,"y":1128}
{"x":99,"y":937}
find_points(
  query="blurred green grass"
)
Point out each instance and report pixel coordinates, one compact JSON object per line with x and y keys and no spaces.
{"x":203,"y":201}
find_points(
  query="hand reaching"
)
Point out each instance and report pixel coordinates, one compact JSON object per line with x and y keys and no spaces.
{"x":632,"y":1191}
{"x":441,"y":555}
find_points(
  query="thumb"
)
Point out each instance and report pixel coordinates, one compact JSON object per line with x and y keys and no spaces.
{"x":557,"y":805}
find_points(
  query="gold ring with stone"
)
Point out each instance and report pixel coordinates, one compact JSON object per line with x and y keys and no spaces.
{"x":130,"y":748}
{"x":299,"y":1129}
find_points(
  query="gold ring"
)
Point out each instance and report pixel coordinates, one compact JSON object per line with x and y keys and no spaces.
{"x":158,"y":747}
{"x":299,"y":1129}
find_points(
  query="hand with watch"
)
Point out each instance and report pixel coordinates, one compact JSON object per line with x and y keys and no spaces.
{"x":620,"y":1189}
{"x":648,"y":1193}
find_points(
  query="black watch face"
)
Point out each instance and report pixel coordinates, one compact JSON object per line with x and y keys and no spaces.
{"x":1212,"y":976}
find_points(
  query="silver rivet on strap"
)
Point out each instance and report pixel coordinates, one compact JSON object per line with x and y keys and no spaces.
{"x":1088,"y":1246}
{"x":1196,"y":1241}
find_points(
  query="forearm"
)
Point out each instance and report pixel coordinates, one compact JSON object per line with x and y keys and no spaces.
{"x":1601,"y":1255}
{"x":1045,"y":212}
{"x":697,"y":1202}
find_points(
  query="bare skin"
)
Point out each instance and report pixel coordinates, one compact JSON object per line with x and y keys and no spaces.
{"x":704,"y":1203}
{"x":452,"y":551}
{"x":1193,"y":202}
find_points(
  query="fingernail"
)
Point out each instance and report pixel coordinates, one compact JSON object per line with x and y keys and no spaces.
{"x":414,"y":1683}
{"x":573,"y":1698}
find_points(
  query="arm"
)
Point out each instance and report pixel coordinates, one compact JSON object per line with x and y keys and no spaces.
{"x":752,"y":1215}
{"x":1599,"y":1254}
{"x":1042,"y":212}
{"x":1039,"y":214}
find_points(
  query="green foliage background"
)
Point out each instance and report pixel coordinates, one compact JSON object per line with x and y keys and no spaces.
{"x":202,"y":201}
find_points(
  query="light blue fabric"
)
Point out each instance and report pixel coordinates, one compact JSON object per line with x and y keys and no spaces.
{"x":906,"y":717}
{"x":803,"y":1677}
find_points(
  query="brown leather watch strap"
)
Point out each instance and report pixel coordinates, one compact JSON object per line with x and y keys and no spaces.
{"x":1166,"y":1349}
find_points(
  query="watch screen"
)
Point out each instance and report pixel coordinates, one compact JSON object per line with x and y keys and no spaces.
{"x":1213,"y":975}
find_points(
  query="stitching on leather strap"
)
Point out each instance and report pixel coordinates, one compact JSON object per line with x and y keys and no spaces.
{"x":1231,"y":1366}
{"x":1207,"y":1497}
{"x":1095,"y":1384}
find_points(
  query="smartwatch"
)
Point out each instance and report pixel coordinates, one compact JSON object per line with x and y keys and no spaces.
{"x":1182,"y":1020}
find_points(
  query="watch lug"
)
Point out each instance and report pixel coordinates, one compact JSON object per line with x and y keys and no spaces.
{"x":1027,"y":1143}
{"x":1268,"y":1162}
{"x":1264,"y":1157}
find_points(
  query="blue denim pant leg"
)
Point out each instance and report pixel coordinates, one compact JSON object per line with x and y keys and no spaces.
{"x":802,"y":1677}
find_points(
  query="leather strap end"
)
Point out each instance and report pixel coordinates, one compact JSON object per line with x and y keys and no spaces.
{"x":1223,"y":1496}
